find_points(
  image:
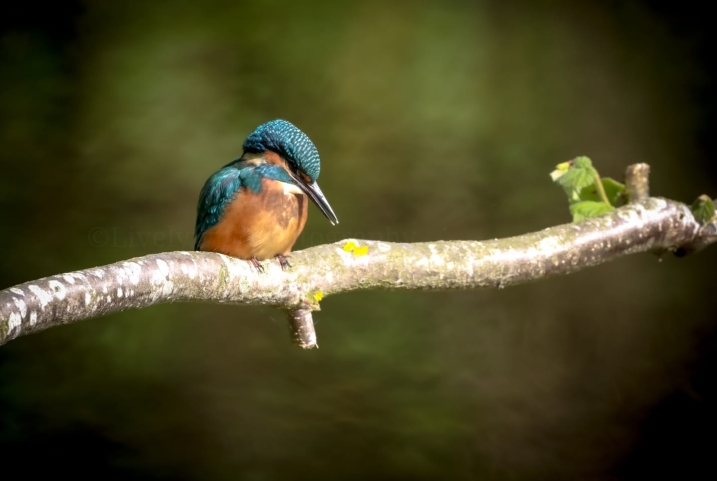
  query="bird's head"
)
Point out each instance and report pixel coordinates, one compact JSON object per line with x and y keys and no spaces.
{"x":299,"y":152}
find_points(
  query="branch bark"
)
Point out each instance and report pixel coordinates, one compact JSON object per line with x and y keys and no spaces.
{"x":647,"y":225}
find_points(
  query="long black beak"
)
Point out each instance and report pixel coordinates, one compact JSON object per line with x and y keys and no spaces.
{"x":315,"y":194}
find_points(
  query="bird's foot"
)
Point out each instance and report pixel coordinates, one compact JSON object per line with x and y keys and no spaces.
{"x":283,"y":261}
{"x":255,"y":262}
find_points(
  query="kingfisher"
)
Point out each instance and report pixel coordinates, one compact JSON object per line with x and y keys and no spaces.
{"x":255,"y":207}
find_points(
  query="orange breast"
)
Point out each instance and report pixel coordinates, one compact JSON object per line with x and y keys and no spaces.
{"x":259,"y":225}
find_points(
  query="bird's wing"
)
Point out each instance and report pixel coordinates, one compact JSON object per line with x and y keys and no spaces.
{"x":217,"y":193}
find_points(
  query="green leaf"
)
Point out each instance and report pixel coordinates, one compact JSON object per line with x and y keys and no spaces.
{"x":703,"y":209}
{"x":587,"y":208}
{"x":579,"y":175}
{"x":613,"y":190}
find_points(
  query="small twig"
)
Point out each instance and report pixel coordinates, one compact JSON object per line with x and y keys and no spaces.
{"x":301,"y":328}
{"x":637,"y":182}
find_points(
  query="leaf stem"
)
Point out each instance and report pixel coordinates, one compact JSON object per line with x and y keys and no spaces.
{"x":601,"y":189}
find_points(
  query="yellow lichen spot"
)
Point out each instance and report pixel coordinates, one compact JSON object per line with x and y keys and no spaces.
{"x":360,"y":251}
{"x":318,"y":296}
{"x":349,"y":246}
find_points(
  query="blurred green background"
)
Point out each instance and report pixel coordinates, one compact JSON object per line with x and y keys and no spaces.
{"x":434,"y":120}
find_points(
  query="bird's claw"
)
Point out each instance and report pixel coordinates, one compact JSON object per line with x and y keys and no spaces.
{"x":283,"y":261}
{"x":255,"y":262}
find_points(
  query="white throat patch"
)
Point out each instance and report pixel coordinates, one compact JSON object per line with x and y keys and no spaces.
{"x":290,"y":189}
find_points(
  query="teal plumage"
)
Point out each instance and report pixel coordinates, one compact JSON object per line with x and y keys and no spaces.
{"x":216,"y":194}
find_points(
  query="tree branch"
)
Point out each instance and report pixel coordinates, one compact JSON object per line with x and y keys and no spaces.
{"x":651,"y":224}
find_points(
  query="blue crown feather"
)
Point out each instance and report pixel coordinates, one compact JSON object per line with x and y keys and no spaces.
{"x":288,"y":141}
